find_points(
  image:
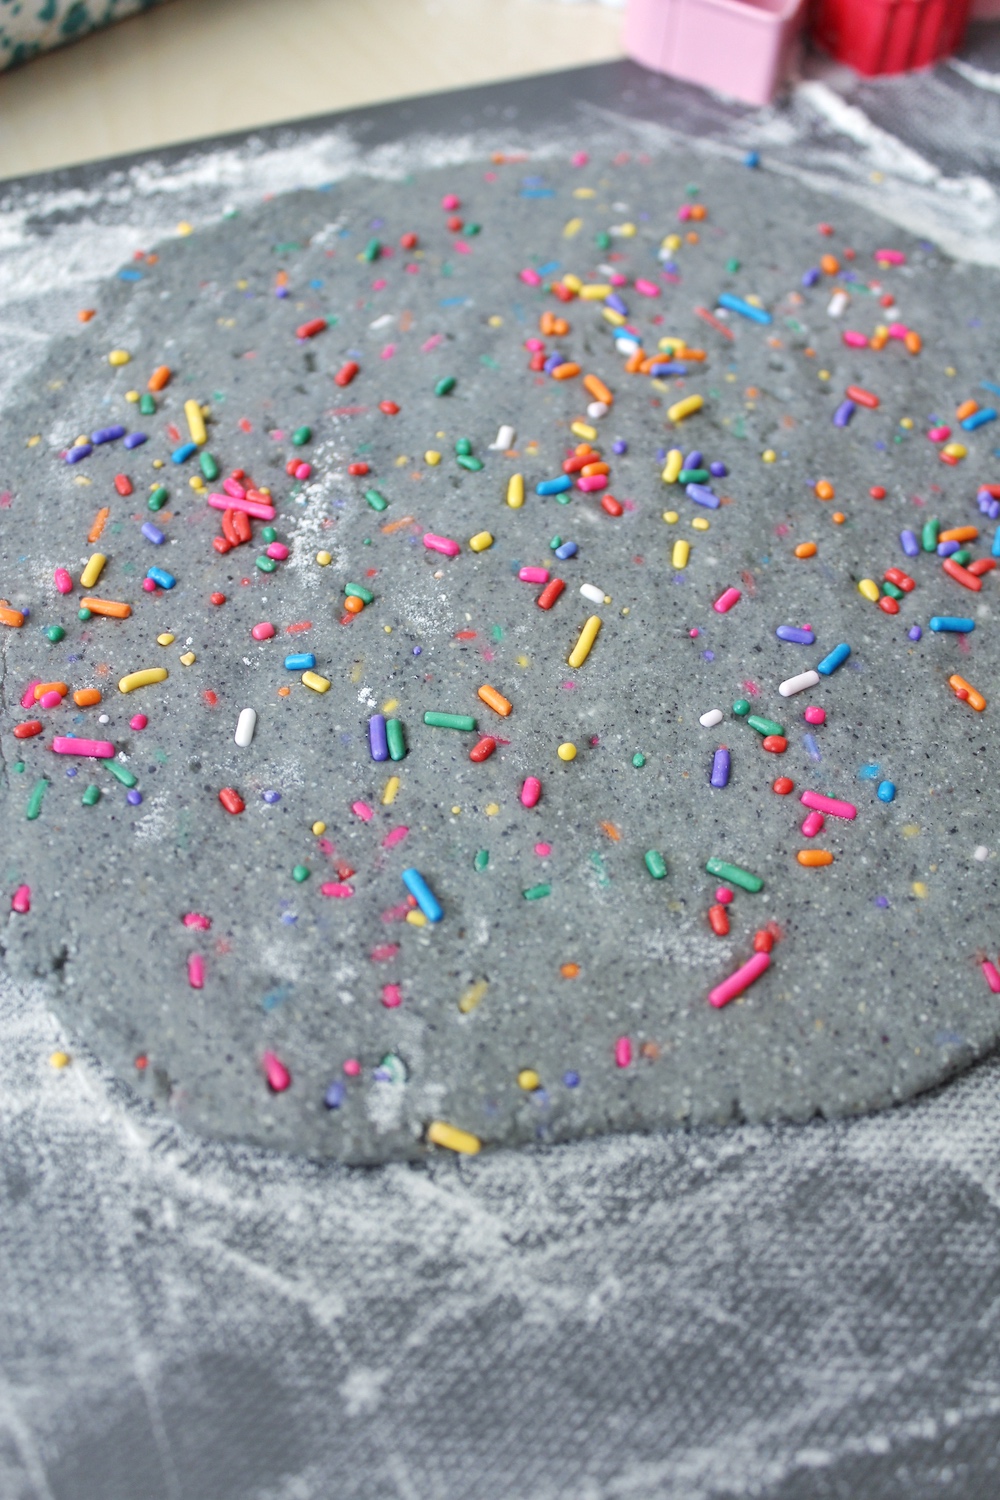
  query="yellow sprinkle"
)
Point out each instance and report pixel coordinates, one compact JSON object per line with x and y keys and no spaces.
{"x":522,"y":661}
{"x":34,"y":440}
{"x":950,"y":370}
{"x":584,"y":193}
{"x":870,"y":589}
{"x":241,"y":285}
{"x":491,"y":809}
{"x":515,"y":491}
{"x":573,"y":282}
{"x":80,"y":479}
{"x":911,"y":830}
{"x":184,"y":227}
{"x":59,"y":1060}
{"x":671,"y":517}
{"x":432,"y":457}
{"x":81,"y":440}
{"x":157,"y":463}
{"x":572,"y":228}
{"x":166,"y":639}
{"x":528,"y":1080}
{"x":389,"y":705}
{"x":324,"y":559}
{"x":685,"y":408}
{"x":313,"y":680}
{"x":588,"y":635}
{"x":389,"y":794}
{"x":196,"y":482}
{"x":496,"y":321}
{"x":673,"y":466}
{"x":401,"y":460}
{"x":319,"y":827}
{"x":439,"y":1133}
{"x":681,"y":553}
{"x":955,"y":450}
{"x":481,"y":541}
{"x":456,"y":811}
{"x":919,"y":890}
{"x":582,"y":430}
{"x":92,"y":571}
{"x":473,"y":996}
{"x":132,"y":396}
{"x":567,"y":751}
{"x":188,"y":659}
{"x":769,"y":456}
{"x":616,"y":319}
{"x":906,"y":422}
{"x":593,"y":291}
{"x":672,"y":242}
{"x":670,"y":344}
{"x":196,"y":422}
{"x":356,"y":671}
{"x":416,"y":919}
{"x":119,"y":357}
{"x":823,"y":375}
{"x":133,"y":680}
{"x":387,"y":629}
{"x":699,"y":523}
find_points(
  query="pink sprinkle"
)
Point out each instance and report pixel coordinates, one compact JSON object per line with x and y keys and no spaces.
{"x":590,"y":482}
{"x":21,"y":899}
{"x":234,"y":488}
{"x":379,"y":285}
{"x":388,"y":351}
{"x":385,"y":951}
{"x":259,"y":508}
{"x":395,"y":836}
{"x":325,"y":847}
{"x":441,"y":544}
{"x":278,"y":551}
{"x":534,"y":575}
{"x":431,"y":343}
{"x":195,"y":919}
{"x":352,"y":1067}
{"x":992,"y":976}
{"x":535,"y":346}
{"x":277,"y":1075}
{"x":397,"y":913}
{"x":196,"y":971}
{"x":740,"y":981}
{"x":335,"y":888}
{"x":646,"y":288}
{"x":568,"y":687}
{"x":92,"y":749}
{"x":580,"y":159}
{"x":530,"y":277}
{"x":815,"y":715}
{"x":450,"y":201}
{"x":726,"y":600}
{"x":412,"y":269}
{"x":263,"y":631}
{"x":723,"y":895}
{"x":898,"y":330}
{"x":939,"y":434}
{"x":63,"y":581}
{"x":392,"y":995}
{"x":623,"y":1052}
{"x":303,"y":471}
{"x":50,"y":700}
{"x":531,"y":791}
{"x":543,"y":850}
{"x":138,"y":721}
{"x":894,"y":257}
{"x":363,"y":811}
{"x":462,"y":248}
{"x":28,"y":700}
{"x":694,"y":632}
{"x":853,"y":339}
{"x":828,"y":805}
{"x":684,"y":212}
{"x":617,"y":279}
{"x":812,"y":824}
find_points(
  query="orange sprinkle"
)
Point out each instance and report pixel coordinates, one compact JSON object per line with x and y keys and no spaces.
{"x":829,"y":265}
{"x":611,"y":831}
{"x":86,"y":313}
{"x":959,"y":534}
{"x":109,"y":607}
{"x":598,"y":389}
{"x":284,"y":692}
{"x":9,"y":616}
{"x":353,"y":604}
{"x":824,"y":490}
{"x":697,"y":211}
{"x":86,"y":697}
{"x":391,"y":526}
{"x":967,"y":692}
{"x":99,"y":523}
{"x":159,"y":378}
{"x":692,"y":237}
{"x":913,"y":341}
{"x":838,"y":518}
{"x":650,"y":1050}
{"x":966,"y":409}
{"x":569,"y":971}
{"x":495,"y":700}
{"x":806,"y":549}
{"x":813,"y":858}
{"x":41,"y":688}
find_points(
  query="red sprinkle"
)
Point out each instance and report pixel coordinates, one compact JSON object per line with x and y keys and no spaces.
{"x":389,"y":407}
{"x":231,"y":800}
{"x":123,"y":484}
{"x":783,"y":786}
{"x":309,"y":330}
{"x":611,"y":505}
{"x":28,"y":729}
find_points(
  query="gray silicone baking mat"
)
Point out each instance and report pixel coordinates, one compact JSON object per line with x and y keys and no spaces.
{"x":783,"y":1312}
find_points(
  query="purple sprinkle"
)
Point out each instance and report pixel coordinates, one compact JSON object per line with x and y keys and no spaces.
{"x":796,"y":634}
{"x":75,"y":454}
{"x":702,"y":495}
{"x":661,"y":454}
{"x":812,"y":749}
{"x":619,"y":446}
{"x":909,"y":543}
{"x":71,"y":770}
{"x":613,"y":300}
{"x":708,"y":656}
{"x":718,"y":470}
{"x":133,"y":797}
{"x":915,"y":632}
{"x":693,"y":460}
{"x":334,"y":1096}
{"x":945,"y":549}
{"x":810,"y":277}
{"x":882,"y":901}
{"x":271,"y":797}
{"x":845,"y":411}
{"x":417,"y":650}
{"x":135,"y":440}
{"x":281,"y":291}
{"x":571,"y":1080}
{"x":720,"y":768}
{"x":377,"y":739}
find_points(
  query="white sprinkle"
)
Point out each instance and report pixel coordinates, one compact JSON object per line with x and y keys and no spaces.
{"x":838,"y":303}
{"x":626,"y":345}
{"x":709,"y":720}
{"x":596,"y":410}
{"x":505,"y":439}
{"x":382,"y":322}
{"x":592,"y":592}
{"x":981,"y":852}
{"x":797,"y":684}
{"x":103,"y":719}
{"x":245,"y":726}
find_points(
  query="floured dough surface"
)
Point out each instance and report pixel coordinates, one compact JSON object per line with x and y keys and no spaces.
{"x":598,"y":984}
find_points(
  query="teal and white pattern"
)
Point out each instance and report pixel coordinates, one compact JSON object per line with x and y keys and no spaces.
{"x":28,"y":27}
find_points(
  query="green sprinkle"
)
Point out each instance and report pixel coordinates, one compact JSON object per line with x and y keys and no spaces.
{"x":638,"y":760}
{"x":158,"y":498}
{"x":732,"y":266}
{"x":497,"y":632}
{"x":121,"y":773}
{"x":372,"y":251}
{"x":147,"y":406}
{"x":481,"y":860}
{"x":19,"y":766}
{"x":693,"y":476}
{"x":286,"y":246}
{"x":734,"y":875}
{"x":208,"y":465}
{"x":269,"y":534}
{"x":741,"y":707}
{"x":655,"y":864}
{"x":565,"y":497}
{"x":602,"y":241}
{"x":962,"y":556}
{"x":449,"y":721}
{"x":358,"y":591}
{"x":764,"y":726}
{"x":555,"y":542}
{"x":536,"y":892}
{"x":300,"y":873}
{"x":301,"y":435}
{"x":472,"y":464}
{"x":445,"y":385}
{"x":929,"y":534}
{"x":34,"y":806}
{"x":394,"y":739}
{"x":376,"y":501}
{"x":54,"y":633}
{"x":892,"y":590}
{"x":471,"y":230}
{"x":83,"y":614}
{"x":91,"y":796}
{"x":266,"y":564}
{"x":463,"y":446}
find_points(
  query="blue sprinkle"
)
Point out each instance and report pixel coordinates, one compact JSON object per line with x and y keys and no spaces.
{"x":425,"y":897}
{"x":162,"y":577}
{"x":134,"y":439}
{"x":745,"y":309}
{"x":554,"y":486}
{"x":335,"y":1094}
{"x":812,"y":749}
{"x":133,"y":797}
{"x":271,"y":796}
{"x":836,"y":659}
{"x":886,"y":791}
{"x":568,"y":549}
{"x":915,"y":632}
{"x":958,"y":624}
{"x":183,"y":453}
{"x":300,"y":661}
{"x":751,"y":159}
{"x":129,"y":275}
{"x":978,"y":418}
{"x":868,"y":773}
{"x":571,"y":1080}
